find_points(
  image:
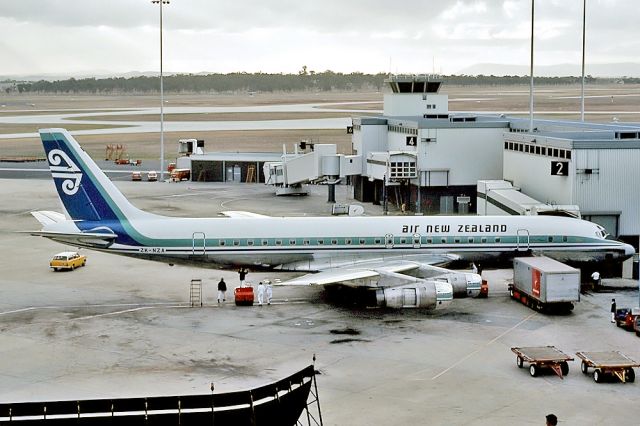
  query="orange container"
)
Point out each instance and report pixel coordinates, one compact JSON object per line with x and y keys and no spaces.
{"x":243,"y":296}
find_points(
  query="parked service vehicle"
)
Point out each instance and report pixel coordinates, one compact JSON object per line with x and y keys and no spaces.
{"x":545,"y":284}
{"x":178,"y":175}
{"x":136,"y":176}
{"x":68,"y":260}
{"x":152,"y":176}
{"x":626,"y":318}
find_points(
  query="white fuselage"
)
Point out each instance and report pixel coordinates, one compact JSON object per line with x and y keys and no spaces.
{"x":312,"y":243}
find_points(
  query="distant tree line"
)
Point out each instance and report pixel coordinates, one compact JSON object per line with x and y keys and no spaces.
{"x":304,"y":80}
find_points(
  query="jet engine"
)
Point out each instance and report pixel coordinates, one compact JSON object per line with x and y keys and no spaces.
{"x":419,"y":294}
{"x":465,"y":284}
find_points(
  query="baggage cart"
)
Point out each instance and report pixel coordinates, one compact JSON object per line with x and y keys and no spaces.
{"x":541,"y":357}
{"x":608,"y":364}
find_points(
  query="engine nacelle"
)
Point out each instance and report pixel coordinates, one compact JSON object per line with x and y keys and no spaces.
{"x":465,"y":284}
{"x":421,"y":294}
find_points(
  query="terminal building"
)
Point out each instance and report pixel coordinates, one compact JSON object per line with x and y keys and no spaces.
{"x":424,"y":159}
{"x":421,"y":156}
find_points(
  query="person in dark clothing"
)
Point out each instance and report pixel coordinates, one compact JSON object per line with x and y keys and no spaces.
{"x":243,"y":274}
{"x":552,"y":420}
{"x":613,"y":310}
{"x":222,"y":290}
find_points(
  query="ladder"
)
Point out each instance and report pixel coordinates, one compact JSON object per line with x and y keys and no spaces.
{"x":195,"y":292}
{"x":251,"y":170}
{"x":312,"y":400}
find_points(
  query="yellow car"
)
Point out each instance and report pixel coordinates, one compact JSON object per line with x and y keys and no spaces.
{"x":68,"y":260}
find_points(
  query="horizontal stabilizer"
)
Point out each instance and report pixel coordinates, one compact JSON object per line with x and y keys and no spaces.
{"x":47,"y":217}
{"x":83,"y":239}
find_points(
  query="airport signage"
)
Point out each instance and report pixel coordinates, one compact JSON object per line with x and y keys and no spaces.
{"x":559,"y":168}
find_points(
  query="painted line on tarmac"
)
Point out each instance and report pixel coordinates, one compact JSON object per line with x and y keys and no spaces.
{"x":109,"y":305}
{"x":113,"y":313}
{"x":484,"y":346}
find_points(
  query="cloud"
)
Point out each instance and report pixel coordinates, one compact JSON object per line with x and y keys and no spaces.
{"x":282,"y":35}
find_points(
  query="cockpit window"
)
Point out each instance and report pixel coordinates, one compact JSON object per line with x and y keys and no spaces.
{"x":602,"y":233}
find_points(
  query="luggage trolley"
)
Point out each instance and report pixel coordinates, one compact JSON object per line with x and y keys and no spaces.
{"x":609,"y":363}
{"x":540,"y":357}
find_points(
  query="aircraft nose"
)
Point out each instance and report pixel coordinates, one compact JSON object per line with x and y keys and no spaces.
{"x":629,"y":250}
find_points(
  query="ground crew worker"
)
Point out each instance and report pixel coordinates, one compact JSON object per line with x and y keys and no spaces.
{"x":243,"y":274}
{"x":260,"y":293}
{"x":596,"y":279}
{"x":552,"y":420}
{"x":474,"y":268}
{"x":613,"y":310}
{"x":222,"y":290}
{"x":269,"y":292}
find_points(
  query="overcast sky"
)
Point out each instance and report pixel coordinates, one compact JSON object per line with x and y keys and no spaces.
{"x":117,"y":36}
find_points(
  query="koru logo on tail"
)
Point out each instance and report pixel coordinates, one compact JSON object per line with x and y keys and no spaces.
{"x":63,"y":167}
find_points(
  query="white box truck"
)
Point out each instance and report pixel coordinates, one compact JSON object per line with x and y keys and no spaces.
{"x":545,"y":284}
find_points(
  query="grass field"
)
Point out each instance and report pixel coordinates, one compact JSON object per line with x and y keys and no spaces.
{"x":603,"y":104}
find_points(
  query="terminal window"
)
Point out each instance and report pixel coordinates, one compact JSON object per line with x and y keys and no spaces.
{"x":402,"y":169}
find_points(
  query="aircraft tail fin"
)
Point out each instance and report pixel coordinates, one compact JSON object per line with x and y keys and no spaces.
{"x":85,"y":191}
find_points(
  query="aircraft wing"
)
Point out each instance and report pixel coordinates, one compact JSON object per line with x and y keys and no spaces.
{"x":241,"y":214}
{"x":349,"y":275}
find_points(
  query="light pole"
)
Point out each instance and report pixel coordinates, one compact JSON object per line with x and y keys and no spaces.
{"x":584,"y":22}
{"x":161,"y":2}
{"x":531,"y":72}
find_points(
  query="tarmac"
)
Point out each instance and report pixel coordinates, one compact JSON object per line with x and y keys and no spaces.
{"x":123,"y":327}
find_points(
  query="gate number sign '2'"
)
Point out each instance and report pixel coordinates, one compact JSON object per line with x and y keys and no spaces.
{"x":559,"y":168}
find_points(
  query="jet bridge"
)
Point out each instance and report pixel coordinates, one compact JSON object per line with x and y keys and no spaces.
{"x":320,"y":165}
{"x":500,"y":197}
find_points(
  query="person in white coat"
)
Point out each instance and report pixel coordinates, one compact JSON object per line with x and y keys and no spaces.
{"x":269,"y":292}
{"x":260,"y":293}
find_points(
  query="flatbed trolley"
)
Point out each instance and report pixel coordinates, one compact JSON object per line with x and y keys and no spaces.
{"x":612,"y":363}
{"x":540,"y":357}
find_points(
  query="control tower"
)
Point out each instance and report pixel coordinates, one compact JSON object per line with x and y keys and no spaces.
{"x":415,"y":95}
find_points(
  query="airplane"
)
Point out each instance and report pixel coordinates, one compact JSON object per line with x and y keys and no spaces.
{"x":396,"y":260}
